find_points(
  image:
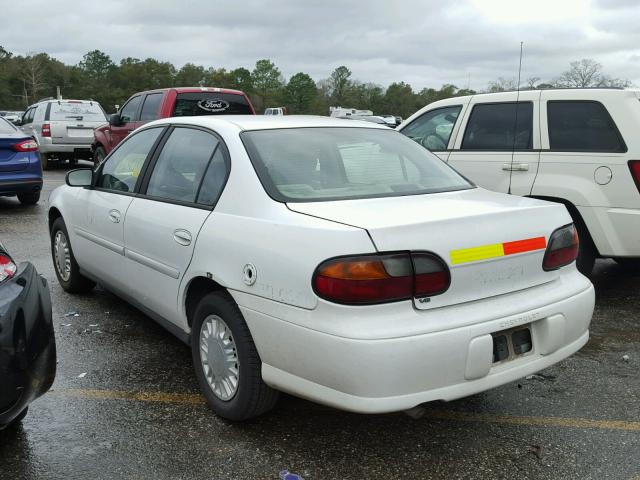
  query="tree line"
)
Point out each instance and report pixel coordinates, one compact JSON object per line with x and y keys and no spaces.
{"x":24,"y":79}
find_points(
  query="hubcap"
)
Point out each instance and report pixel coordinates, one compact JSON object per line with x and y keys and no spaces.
{"x":219,"y":357}
{"x":62,"y":255}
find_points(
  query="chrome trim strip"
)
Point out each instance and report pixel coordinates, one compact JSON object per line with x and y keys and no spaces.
{"x":114,"y":247}
{"x":152,"y":264}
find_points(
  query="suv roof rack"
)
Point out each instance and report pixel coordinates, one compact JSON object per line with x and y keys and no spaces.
{"x":45,"y":99}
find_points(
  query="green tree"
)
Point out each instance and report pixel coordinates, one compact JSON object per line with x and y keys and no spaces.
{"x":300,"y":93}
{"x":399,"y":99}
{"x":267,"y":82}
{"x":240,"y":79}
{"x":190,"y":75}
{"x":339,"y":84}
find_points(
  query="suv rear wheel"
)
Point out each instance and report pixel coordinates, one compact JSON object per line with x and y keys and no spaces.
{"x":226,"y":361}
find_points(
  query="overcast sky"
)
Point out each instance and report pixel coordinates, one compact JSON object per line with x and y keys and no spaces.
{"x":421,"y":42}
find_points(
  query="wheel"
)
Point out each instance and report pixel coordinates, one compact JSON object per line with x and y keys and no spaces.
{"x":29,"y":198}
{"x":226,"y":361}
{"x":16,"y":421}
{"x":631,"y":264}
{"x":65,"y":264}
{"x":98,"y":156}
{"x":587,"y":252}
{"x":44,"y":161}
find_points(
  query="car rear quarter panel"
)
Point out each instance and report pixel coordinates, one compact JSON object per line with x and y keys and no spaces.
{"x":247,"y":227}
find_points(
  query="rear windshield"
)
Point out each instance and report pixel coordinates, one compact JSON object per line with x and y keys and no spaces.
{"x":6,"y":127}
{"x":338,"y":163}
{"x":80,"y":111}
{"x":211,"y":103}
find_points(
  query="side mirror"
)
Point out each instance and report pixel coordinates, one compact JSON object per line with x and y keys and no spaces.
{"x":115,"y":120}
{"x":81,"y":177}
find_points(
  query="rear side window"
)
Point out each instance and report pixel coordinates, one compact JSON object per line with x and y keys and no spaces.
{"x":180,"y":167}
{"x":75,"y":111}
{"x":122,"y":169}
{"x":214,"y":179}
{"x":500,"y":126}
{"x":151,"y":107}
{"x":129,"y":111}
{"x":211,"y":103}
{"x":6,"y":127}
{"x":582,"y":126}
{"x":433,"y":129}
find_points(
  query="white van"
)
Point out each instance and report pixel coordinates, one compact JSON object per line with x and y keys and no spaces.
{"x":579,"y":147}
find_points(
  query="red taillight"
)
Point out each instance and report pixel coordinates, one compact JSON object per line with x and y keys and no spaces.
{"x":26,"y":146}
{"x":562,"y":249}
{"x":7,"y":267}
{"x":634,"y":166}
{"x":46,"y":130}
{"x":380,"y":278}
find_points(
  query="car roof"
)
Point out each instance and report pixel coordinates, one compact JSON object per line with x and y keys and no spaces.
{"x":267,"y":122}
{"x":194,"y":90}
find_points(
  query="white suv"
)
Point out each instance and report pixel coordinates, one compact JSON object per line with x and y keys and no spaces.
{"x":578,"y":147}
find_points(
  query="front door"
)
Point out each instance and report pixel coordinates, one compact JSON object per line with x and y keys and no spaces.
{"x":163,"y":222}
{"x":129,"y":115}
{"x":98,"y":214}
{"x":498,"y":145}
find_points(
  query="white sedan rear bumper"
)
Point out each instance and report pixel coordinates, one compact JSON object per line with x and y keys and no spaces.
{"x":392,"y":374}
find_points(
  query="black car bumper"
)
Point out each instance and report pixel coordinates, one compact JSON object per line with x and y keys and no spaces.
{"x":27,"y":342}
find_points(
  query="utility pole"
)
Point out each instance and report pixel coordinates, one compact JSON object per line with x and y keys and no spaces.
{"x":58,"y":95}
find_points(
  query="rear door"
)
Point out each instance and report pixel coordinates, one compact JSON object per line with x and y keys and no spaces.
{"x":151,"y":107}
{"x":434,"y":128}
{"x":72,"y":121}
{"x":97,"y":218}
{"x":162,"y":224}
{"x":10,"y":159}
{"x":498,"y":145}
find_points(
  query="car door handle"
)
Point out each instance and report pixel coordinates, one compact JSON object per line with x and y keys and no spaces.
{"x":515,"y":167}
{"x":114,"y":216}
{"x":181,"y":236}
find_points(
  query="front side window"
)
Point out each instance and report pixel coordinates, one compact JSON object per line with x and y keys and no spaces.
{"x":337,"y":163}
{"x":151,"y":107}
{"x":180,"y":167}
{"x":122,"y":169}
{"x":211,"y":103}
{"x":499,"y":126}
{"x":582,"y":126}
{"x":433,"y":129}
{"x":129,"y":111}
{"x":28,"y":116}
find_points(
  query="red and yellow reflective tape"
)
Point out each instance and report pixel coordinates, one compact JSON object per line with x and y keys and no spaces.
{"x":486,"y":252}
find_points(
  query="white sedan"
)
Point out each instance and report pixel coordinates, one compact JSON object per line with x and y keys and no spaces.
{"x":335,"y":260}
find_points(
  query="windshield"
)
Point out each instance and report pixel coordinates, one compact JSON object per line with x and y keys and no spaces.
{"x":211,"y":103}
{"x":80,"y":111}
{"x":337,"y":163}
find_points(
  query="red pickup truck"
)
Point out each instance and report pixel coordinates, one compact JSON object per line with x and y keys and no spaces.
{"x":144,"y":107}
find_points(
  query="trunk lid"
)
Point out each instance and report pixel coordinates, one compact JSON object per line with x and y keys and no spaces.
{"x":10,"y":160}
{"x":492,"y":243}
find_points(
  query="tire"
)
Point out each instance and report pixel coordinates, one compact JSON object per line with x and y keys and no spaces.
{"x":44,"y":161}
{"x":72,"y":280}
{"x":16,"y":421}
{"x":98,"y":156}
{"x":630,"y":264}
{"x":252,"y":397}
{"x":29,"y":198}
{"x":587,"y":252}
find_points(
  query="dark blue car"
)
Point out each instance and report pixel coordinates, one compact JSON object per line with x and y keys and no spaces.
{"x":20,"y":169}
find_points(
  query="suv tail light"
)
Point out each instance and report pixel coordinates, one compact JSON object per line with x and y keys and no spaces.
{"x":562,"y":249}
{"x":26,"y":146}
{"x":381,"y":278}
{"x":46,"y":130}
{"x":7,"y":267}
{"x":634,"y":166}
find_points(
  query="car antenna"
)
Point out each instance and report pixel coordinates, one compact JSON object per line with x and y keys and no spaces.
{"x":515,"y":122}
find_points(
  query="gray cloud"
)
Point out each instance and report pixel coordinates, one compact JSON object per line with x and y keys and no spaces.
{"x":421,"y":42}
